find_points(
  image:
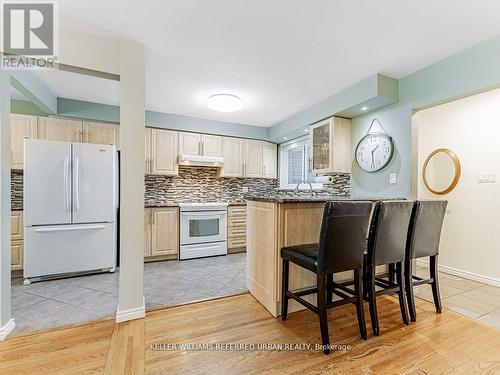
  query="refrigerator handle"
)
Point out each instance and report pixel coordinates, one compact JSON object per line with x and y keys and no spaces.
{"x":76,"y":184}
{"x":65,"y":182}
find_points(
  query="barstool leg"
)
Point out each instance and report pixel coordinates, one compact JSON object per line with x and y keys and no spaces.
{"x":284,"y":290}
{"x":409,"y":290}
{"x":322,"y":312}
{"x":329,"y":293}
{"x":360,"y":312}
{"x":435,"y":283}
{"x":401,"y":292}
{"x":372,"y":299}
{"x":392,"y":271}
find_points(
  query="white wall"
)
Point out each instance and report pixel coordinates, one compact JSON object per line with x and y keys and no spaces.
{"x":471,"y":128}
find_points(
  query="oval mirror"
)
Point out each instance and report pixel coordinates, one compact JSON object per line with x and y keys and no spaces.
{"x":441,"y":171}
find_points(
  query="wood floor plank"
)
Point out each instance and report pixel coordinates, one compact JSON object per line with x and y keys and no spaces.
{"x":436,"y":344}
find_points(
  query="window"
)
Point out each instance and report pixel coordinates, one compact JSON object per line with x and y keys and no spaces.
{"x":294,"y":165}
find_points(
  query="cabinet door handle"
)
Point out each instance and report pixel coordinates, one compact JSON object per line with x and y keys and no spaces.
{"x":264,"y":170}
{"x":152,"y":218}
{"x":203,"y":148}
{"x":151,"y":165}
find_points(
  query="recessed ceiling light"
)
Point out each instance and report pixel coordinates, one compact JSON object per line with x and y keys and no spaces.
{"x":306,"y":130}
{"x":364,"y":108}
{"x":224,"y":103}
{"x":285,"y":138}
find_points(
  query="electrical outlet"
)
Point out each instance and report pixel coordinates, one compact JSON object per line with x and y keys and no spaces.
{"x":245,"y":189}
{"x":486,"y":178}
{"x":393,"y":178}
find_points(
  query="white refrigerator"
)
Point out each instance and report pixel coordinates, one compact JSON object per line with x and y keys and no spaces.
{"x":70,"y":208}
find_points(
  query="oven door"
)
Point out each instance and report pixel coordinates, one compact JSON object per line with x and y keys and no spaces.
{"x":202,"y":227}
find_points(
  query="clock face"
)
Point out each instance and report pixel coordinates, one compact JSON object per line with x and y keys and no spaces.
{"x":374,"y":152}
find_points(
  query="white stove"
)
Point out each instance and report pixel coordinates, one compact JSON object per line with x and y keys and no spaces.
{"x":203,"y":230}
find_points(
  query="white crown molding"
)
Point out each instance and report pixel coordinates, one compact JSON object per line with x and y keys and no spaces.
{"x":7,"y":329}
{"x":131,"y":314}
{"x":465,"y":274}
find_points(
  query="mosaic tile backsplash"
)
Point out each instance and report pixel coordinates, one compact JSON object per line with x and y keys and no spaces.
{"x":202,"y":185}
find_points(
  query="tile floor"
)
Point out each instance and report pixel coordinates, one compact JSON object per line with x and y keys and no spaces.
{"x":470,"y":298}
{"x":79,"y":299}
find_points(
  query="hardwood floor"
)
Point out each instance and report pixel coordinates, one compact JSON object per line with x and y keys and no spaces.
{"x":436,"y":344}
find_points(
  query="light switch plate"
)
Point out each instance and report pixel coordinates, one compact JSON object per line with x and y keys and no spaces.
{"x":393,"y":178}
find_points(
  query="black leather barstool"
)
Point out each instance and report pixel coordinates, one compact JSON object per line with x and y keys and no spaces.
{"x":341,"y":245}
{"x":424,"y":234}
{"x":386,"y":245}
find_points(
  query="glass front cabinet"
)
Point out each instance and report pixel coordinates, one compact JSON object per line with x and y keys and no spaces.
{"x":330,"y":146}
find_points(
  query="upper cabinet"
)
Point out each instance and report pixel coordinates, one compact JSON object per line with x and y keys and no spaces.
{"x":161,"y":152}
{"x":200,"y":144}
{"x":330,"y":146}
{"x":249,"y":158}
{"x":270,"y":160}
{"x":101,"y":133}
{"x":60,"y":129}
{"x":22,"y":126}
{"x":190,"y":144}
{"x":252,"y":158}
{"x":211,"y":145}
{"x":233,"y":157}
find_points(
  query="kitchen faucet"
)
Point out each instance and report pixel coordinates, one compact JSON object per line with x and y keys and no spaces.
{"x":307,"y":182}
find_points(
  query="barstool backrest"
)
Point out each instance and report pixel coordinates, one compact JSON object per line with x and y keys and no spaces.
{"x":424,"y":232}
{"x":389,"y":232}
{"x":343,"y":235}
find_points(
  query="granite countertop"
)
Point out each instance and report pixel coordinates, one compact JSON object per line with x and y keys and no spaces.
{"x":307,"y":198}
{"x":175,"y":204}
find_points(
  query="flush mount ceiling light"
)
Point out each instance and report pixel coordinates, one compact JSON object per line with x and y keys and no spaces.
{"x":364,"y":108}
{"x":224,"y":103}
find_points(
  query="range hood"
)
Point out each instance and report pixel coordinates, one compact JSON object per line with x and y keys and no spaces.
{"x":201,"y":161}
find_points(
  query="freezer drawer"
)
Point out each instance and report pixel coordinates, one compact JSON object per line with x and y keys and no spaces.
{"x":203,"y":250}
{"x":51,"y":250}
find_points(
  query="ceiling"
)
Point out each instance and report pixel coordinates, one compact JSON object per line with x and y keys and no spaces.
{"x":279,"y":56}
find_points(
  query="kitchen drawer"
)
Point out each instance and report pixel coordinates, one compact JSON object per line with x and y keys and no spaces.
{"x":16,"y":255}
{"x":236,"y":242}
{"x":240,"y":231}
{"x":237,"y":211}
{"x":16,"y":225}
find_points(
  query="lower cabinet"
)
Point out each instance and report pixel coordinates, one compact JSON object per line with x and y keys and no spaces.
{"x":236,"y":229}
{"x":161,"y":229}
{"x":16,"y":238}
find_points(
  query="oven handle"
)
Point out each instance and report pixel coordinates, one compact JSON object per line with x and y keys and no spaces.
{"x":204,"y":213}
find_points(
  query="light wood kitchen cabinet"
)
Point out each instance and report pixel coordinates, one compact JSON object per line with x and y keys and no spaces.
{"x":161,"y":152}
{"x":270,"y":160}
{"x":190,"y":144}
{"x":22,"y":126}
{"x":60,"y":129}
{"x":212,"y":145}
{"x":236,"y":229}
{"x":147,"y":232}
{"x":161,"y":233}
{"x":104,"y":133}
{"x":233,"y":157}
{"x":330,"y":146}
{"x":17,"y":243}
{"x":252,"y":158}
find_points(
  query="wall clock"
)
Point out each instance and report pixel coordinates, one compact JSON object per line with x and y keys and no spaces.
{"x":375,"y":150}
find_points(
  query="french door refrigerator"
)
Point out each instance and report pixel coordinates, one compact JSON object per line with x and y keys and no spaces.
{"x":70,"y":208}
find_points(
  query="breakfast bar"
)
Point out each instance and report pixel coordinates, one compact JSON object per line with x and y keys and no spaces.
{"x":275,"y":222}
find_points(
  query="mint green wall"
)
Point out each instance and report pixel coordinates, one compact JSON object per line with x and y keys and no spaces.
{"x":95,"y":111}
{"x":25,"y":107}
{"x":34,"y":89}
{"x":473,"y":70}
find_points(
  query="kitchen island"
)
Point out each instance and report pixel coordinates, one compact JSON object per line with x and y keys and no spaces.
{"x":278,"y":221}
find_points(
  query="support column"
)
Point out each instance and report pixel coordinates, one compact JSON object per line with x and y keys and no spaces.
{"x":6,"y":320}
{"x":132,"y":125}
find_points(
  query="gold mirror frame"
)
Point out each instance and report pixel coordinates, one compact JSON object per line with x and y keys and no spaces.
{"x":456,"y":164}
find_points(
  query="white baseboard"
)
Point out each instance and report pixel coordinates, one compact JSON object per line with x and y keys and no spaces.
{"x":131,"y":314}
{"x":7,"y":329}
{"x":464,"y":274}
